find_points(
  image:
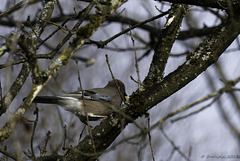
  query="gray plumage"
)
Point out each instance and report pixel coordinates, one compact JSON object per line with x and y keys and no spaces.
{"x":97,"y":103}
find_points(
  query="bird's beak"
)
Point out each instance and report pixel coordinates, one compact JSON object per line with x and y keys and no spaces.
{"x":126,"y":97}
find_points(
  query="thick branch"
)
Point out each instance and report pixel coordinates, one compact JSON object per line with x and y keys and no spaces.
{"x":164,"y":46}
{"x":206,"y":54}
{"x":16,"y":86}
{"x":140,"y":102}
{"x":31,"y":42}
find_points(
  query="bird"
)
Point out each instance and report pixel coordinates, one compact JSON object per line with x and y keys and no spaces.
{"x":92,"y":104}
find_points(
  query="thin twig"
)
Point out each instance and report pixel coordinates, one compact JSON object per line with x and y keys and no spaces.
{"x":43,"y":150}
{"x":86,"y":114}
{"x":150,"y":140}
{"x":173,"y":144}
{"x":199,"y":110}
{"x":33,"y":133}
{"x":3,"y":151}
{"x":136,"y":62}
{"x":123,"y":114}
{"x":101,"y":44}
{"x":1,"y":96}
{"x":64,"y":136}
{"x":17,"y":7}
{"x":226,"y":88}
{"x":109,"y":67}
{"x":74,"y":29}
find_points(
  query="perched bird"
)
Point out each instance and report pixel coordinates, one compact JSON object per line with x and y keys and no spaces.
{"x":96,"y":103}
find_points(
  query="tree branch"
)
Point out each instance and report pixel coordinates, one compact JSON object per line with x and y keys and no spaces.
{"x":223,"y":4}
{"x":206,"y":54}
{"x":15,"y":88}
{"x":164,"y":46}
{"x":140,"y":102}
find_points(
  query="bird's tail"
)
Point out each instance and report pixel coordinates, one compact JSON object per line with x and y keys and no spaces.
{"x":47,"y":99}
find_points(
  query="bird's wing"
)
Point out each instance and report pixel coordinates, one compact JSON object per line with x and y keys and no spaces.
{"x":90,"y":95}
